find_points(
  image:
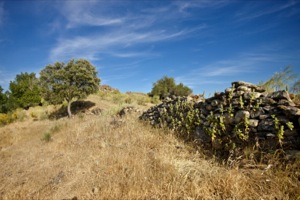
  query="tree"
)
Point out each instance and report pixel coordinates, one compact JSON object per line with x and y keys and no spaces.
{"x":3,"y":101}
{"x":280,"y":80}
{"x":166,"y":86}
{"x":182,"y":90}
{"x":24,"y":91}
{"x":70,"y":82}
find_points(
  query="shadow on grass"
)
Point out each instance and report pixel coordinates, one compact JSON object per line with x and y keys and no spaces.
{"x":76,"y":107}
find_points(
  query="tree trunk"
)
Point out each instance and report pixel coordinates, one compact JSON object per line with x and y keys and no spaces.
{"x":69,"y":109}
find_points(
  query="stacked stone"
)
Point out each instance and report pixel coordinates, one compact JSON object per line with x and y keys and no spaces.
{"x":155,"y":113}
{"x":265,"y":114}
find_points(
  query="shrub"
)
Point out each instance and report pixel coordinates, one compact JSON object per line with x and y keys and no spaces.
{"x":4,"y":119}
{"x":47,"y":137}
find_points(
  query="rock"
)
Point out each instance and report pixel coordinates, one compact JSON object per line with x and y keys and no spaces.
{"x":271,"y":135}
{"x":282,"y":94}
{"x":268,"y":101}
{"x":228,"y":119}
{"x":228,"y":90}
{"x":250,"y":95}
{"x":263,"y":117}
{"x":256,"y":113}
{"x":96,"y":111}
{"x":286,"y":102}
{"x":201,"y":135}
{"x":244,"y":88}
{"x":266,"y":125}
{"x":290,"y":110}
{"x":239,"y":93}
{"x":241,"y":115}
{"x":208,"y":107}
{"x":215,"y":102}
{"x":258,"y":108}
{"x":253,"y":122}
{"x":95,"y":190}
{"x":248,"y":85}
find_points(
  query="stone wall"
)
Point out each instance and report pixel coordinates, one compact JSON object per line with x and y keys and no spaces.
{"x":243,"y":115}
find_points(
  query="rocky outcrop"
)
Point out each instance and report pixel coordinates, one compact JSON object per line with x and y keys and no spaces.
{"x":243,"y":115}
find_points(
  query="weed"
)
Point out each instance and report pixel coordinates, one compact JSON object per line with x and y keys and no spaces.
{"x":47,"y":137}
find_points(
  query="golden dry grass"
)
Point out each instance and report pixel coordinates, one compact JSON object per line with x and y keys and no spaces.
{"x":101,"y":157}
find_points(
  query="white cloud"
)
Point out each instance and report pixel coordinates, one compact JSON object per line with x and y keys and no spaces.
{"x":86,"y":13}
{"x":113,"y":43}
{"x":253,"y":13}
{"x":118,"y":34}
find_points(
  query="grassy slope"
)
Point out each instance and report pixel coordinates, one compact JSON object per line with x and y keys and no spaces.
{"x":98,"y":157}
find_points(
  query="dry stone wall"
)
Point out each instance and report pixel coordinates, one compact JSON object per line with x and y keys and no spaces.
{"x":243,"y":115}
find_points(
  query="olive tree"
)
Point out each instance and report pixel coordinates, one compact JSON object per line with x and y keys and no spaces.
{"x":68,"y":82}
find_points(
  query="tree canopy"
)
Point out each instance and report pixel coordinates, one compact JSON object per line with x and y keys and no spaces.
{"x":166,"y":86}
{"x":3,"y":101}
{"x":70,"y":82}
{"x":24,"y":91}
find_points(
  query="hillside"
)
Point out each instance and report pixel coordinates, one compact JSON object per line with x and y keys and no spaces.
{"x":107,"y":157}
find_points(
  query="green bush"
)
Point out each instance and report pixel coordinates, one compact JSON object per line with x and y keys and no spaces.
{"x":4,"y":119}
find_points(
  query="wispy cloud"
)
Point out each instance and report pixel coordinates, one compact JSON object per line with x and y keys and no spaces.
{"x":253,"y":12}
{"x":225,"y":71}
{"x":1,"y":13}
{"x":95,"y":45}
{"x":84,"y":13}
{"x":119,"y":34}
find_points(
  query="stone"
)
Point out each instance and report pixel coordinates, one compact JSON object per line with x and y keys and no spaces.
{"x":241,"y":115}
{"x":201,"y":135}
{"x":244,"y":88}
{"x":228,"y":90}
{"x":235,"y":101}
{"x":290,"y":110}
{"x":268,"y":101}
{"x":215,"y":102}
{"x":282,"y":94}
{"x":248,"y":85}
{"x":271,"y":135}
{"x":239,"y":93}
{"x":256,"y":113}
{"x":96,"y":111}
{"x":249,"y":95}
{"x":263,"y":116}
{"x":266,"y":125}
{"x":228,"y":119}
{"x":286,"y":102}
{"x":208,"y":107}
{"x":253,"y":122}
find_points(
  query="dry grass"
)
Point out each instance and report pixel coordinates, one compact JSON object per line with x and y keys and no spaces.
{"x":99,"y":157}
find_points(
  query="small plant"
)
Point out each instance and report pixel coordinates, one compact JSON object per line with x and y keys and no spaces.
{"x":241,"y":102}
{"x":290,"y":125}
{"x":47,"y":137}
{"x":230,"y":110}
{"x":257,"y":105}
{"x":280,"y":128}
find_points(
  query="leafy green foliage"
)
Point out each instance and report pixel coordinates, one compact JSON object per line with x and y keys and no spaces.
{"x":72,"y":81}
{"x":166,"y":87}
{"x":3,"y":102}
{"x":24,"y":91}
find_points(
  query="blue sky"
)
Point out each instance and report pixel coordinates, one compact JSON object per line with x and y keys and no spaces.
{"x":203,"y":44}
